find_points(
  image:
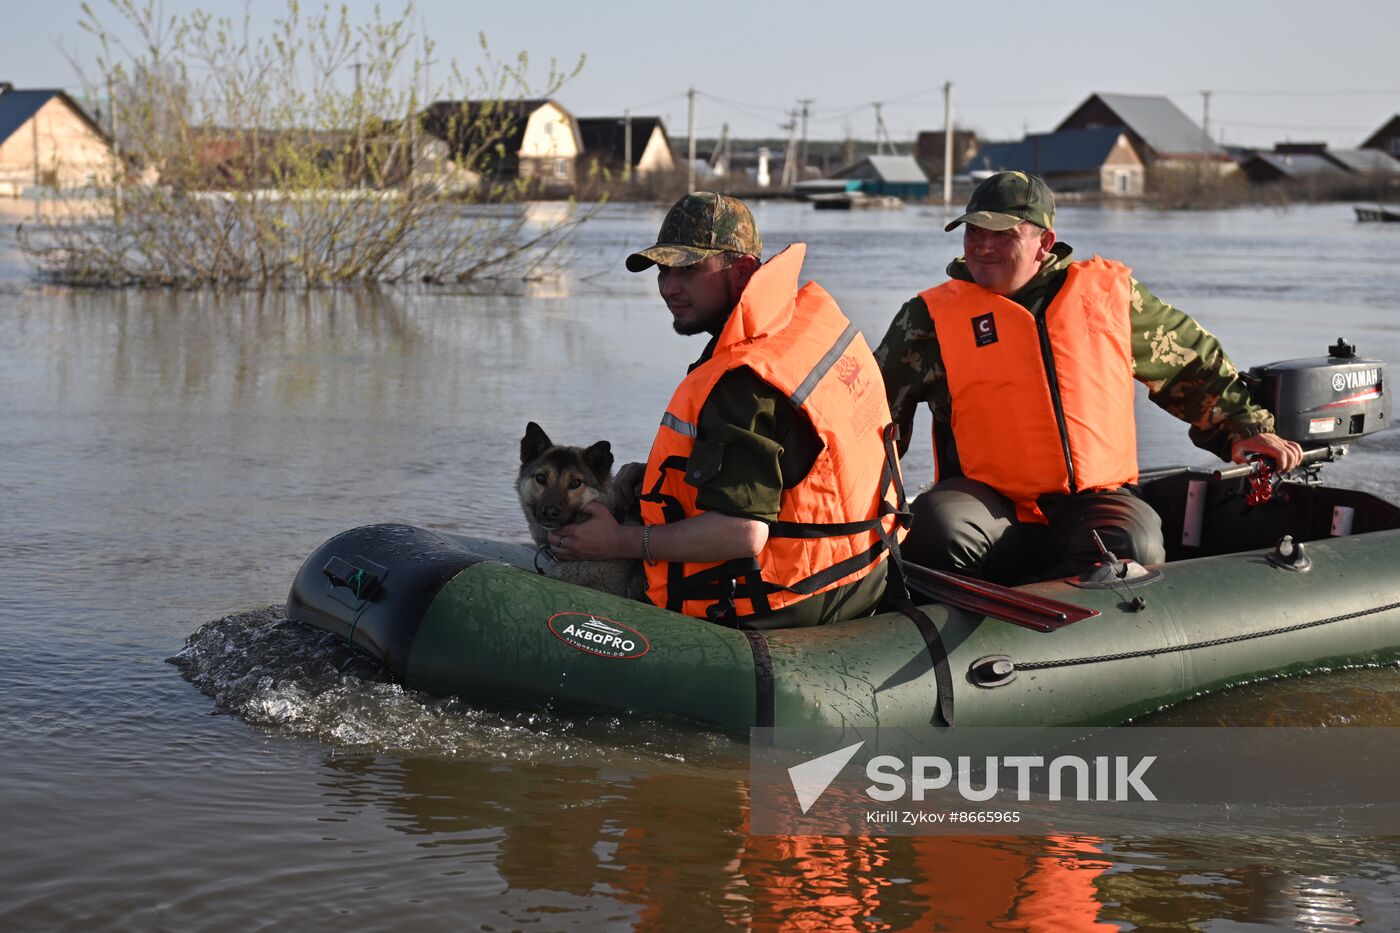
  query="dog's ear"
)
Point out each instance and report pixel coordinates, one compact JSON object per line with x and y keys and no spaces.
{"x":534,"y":443}
{"x":599,"y":458}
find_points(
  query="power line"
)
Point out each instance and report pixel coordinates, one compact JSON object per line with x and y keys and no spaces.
{"x":659,"y":100}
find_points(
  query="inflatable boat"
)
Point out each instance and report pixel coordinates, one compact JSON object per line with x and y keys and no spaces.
{"x":1264,"y":577}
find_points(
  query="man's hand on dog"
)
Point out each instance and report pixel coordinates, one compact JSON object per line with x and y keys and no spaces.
{"x":627,"y":486}
{"x":598,"y":537}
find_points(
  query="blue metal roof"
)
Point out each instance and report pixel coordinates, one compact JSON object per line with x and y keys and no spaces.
{"x":1050,"y":153}
{"x":17,"y":107}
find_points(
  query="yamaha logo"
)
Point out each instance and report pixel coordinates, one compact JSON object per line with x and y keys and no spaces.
{"x":1355,"y":379}
{"x":602,"y":637}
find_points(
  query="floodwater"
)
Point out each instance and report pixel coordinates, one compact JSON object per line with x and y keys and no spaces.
{"x":175,"y":755}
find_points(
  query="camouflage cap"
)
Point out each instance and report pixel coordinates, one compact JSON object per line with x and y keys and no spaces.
{"x":698,"y":225}
{"x":1007,"y":198}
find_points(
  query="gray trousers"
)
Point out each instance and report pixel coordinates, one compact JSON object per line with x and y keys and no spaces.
{"x":967,"y":527}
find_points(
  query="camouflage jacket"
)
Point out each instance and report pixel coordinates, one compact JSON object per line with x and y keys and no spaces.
{"x":1186,"y":371}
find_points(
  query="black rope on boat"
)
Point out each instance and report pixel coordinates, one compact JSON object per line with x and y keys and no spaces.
{"x":1214,"y":642}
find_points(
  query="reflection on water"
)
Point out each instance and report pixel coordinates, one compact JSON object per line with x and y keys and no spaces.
{"x":170,"y":458}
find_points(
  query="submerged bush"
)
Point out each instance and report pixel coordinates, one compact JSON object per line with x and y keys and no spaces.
{"x":303,"y":157}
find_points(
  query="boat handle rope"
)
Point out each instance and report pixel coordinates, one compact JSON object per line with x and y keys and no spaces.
{"x":363,"y":584}
{"x":1171,"y":649}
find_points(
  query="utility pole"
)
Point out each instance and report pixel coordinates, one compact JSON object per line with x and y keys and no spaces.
{"x":690,"y":162}
{"x":1205,"y":115}
{"x":719,"y":159}
{"x":947,"y":143}
{"x":627,"y":146}
{"x":802,"y":159}
{"x":790,"y":153}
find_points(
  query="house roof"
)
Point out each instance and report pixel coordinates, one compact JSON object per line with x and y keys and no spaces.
{"x":1298,"y":165}
{"x":18,"y":107}
{"x":1062,"y":152}
{"x":608,"y":135}
{"x":1365,"y":161}
{"x":1157,"y":122}
{"x":1388,"y":128}
{"x":461,"y":120}
{"x":895,"y":169}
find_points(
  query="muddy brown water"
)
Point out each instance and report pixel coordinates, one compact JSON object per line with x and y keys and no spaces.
{"x":168,"y":459}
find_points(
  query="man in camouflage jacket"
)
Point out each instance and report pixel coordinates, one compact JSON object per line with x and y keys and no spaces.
{"x":967,"y":526}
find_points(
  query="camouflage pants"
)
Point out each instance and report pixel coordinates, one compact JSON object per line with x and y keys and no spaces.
{"x":967,"y":527}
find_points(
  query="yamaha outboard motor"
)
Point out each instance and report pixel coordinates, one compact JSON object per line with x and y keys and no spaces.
{"x":1324,"y":400}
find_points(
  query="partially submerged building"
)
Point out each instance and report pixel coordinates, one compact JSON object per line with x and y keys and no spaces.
{"x":1103,"y":159}
{"x":47,"y":140}
{"x":899,"y":176}
{"x":1312,"y":162}
{"x":626,"y":146}
{"x":505,"y":140}
{"x":1161,"y":133}
{"x":1387,"y":138}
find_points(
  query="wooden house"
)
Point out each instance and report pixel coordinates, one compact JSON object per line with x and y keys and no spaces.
{"x":1161,"y":133}
{"x":47,"y":140}
{"x":504,"y":140}
{"x":1313,"y":162}
{"x":1264,"y":167}
{"x":899,"y":176}
{"x":1387,"y":138}
{"x":635,"y":146}
{"x":1103,"y":159}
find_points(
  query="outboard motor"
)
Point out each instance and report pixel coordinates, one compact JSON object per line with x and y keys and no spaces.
{"x":1324,"y":400}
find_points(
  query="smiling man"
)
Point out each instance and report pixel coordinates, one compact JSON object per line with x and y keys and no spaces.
{"x":767,"y":497}
{"x":1027,"y":359}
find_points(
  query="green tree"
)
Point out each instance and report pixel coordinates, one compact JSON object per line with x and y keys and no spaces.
{"x":298,"y":156}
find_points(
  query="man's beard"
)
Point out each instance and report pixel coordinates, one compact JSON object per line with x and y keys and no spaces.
{"x":711,"y":325}
{"x":714,"y":323}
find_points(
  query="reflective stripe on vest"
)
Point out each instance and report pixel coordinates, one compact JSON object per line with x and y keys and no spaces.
{"x":1004,"y":389}
{"x":833,"y":526}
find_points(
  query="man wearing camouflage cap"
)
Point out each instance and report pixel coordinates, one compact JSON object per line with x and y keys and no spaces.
{"x":767,"y":498}
{"x":1027,"y":359}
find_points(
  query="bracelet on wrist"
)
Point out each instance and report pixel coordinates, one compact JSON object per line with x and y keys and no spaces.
{"x":646,"y":546}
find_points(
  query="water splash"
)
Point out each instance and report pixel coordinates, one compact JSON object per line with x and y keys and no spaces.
{"x":297,"y":681}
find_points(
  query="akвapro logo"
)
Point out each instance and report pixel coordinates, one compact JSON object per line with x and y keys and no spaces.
{"x":978,"y":779}
{"x":603,"y":637}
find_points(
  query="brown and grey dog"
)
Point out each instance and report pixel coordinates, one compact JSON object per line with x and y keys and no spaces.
{"x":554,"y":484}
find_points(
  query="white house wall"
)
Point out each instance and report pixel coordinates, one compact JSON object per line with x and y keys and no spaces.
{"x":61,"y":145}
{"x":656,"y":157}
{"x":550,"y":133}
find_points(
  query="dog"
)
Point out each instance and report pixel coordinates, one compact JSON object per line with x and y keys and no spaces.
{"x":554,"y":484}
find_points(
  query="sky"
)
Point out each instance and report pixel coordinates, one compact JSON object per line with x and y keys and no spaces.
{"x":1283,"y":71}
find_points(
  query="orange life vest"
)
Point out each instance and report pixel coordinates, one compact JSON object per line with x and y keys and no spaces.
{"x":834,"y":525}
{"x":1041,"y":407}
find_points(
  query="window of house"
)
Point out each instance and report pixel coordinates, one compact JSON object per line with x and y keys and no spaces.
{"x":1124,"y":181}
{"x":561,"y":168}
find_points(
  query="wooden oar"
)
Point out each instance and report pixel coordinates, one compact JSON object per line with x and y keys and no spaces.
{"x":1038,"y":613}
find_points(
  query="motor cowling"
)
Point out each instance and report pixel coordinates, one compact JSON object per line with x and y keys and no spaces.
{"x":1327,"y":399}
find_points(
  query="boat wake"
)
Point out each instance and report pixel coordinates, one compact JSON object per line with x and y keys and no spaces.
{"x":281,"y":675}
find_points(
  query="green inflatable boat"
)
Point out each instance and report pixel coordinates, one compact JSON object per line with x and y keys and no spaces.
{"x":1308,"y":579}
